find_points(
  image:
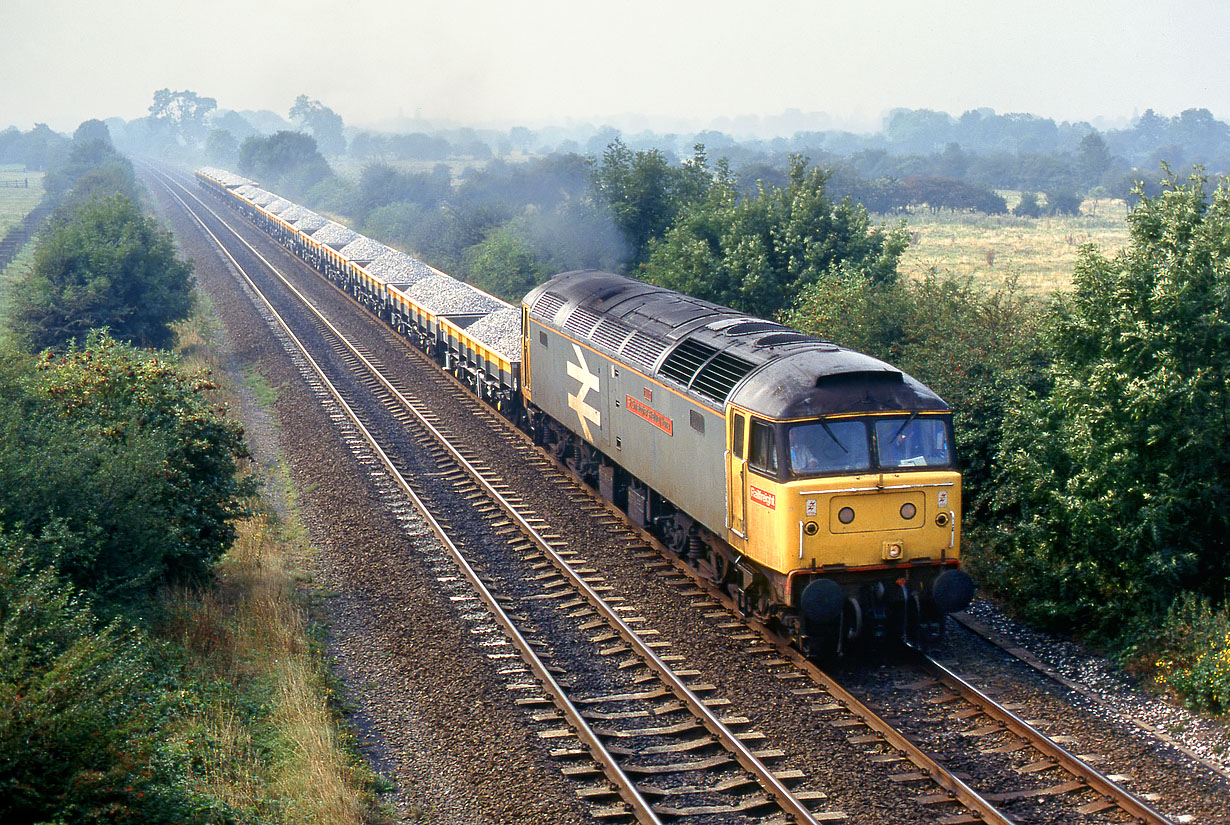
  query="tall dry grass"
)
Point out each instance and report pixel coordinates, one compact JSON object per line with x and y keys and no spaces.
{"x":278,"y":747}
{"x":1038,"y":253}
{"x":284,"y":759}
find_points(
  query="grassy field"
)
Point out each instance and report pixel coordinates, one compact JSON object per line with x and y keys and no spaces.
{"x":1039,"y":252}
{"x":8,"y":277}
{"x":15,"y":204}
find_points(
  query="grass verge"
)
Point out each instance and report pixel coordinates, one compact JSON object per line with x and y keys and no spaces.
{"x":268,"y":710}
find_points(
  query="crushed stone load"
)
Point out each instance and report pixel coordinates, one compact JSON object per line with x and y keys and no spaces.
{"x":442,"y":295}
{"x":260,"y":197}
{"x":334,"y":234}
{"x":362,"y":249}
{"x":309,"y":222}
{"x":499,"y":331}
{"x":293,"y":214}
{"x":398,"y":268}
{"x":228,"y":179}
{"x":278,"y":206}
{"x":248,"y":190}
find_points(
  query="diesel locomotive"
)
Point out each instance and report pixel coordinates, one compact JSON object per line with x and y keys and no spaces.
{"x":817,"y":485}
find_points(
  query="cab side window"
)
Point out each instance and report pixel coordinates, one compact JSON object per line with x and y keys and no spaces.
{"x":762,"y":450}
{"x":736,"y":435}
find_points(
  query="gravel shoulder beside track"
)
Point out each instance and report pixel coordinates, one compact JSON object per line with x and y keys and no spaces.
{"x":428,"y":709}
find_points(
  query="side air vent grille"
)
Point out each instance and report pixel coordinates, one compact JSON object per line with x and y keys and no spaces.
{"x":643,"y":350}
{"x":718,"y":377}
{"x":547,"y":305}
{"x":610,"y":334}
{"x":686,"y":359}
{"x":581,"y":322}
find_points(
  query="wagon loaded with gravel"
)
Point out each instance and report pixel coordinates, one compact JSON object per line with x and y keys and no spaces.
{"x":472,"y":334}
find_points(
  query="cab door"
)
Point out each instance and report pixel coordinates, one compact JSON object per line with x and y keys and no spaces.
{"x":736,"y":474}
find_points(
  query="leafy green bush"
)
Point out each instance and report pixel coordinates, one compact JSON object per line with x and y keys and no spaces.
{"x":1115,"y":482}
{"x":757,"y":253}
{"x":103,"y":264}
{"x":973,"y":345}
{"x":1194,"y":641}
{"x":119,"y":467}
{"x":504,"y":264}
{"x":82,"y":709}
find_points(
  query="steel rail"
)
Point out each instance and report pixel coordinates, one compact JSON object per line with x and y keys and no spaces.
{"x":625,"y":786}
{"x":980,"y":807}
{"x":1081,"y":770}
{"x":773,"y":787}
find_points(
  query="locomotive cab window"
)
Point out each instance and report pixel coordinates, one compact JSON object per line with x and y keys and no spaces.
{"x":736,"y":435}
{"x":829,"y":447}
{"x":762,"y":448}
{"x":913,"y":442}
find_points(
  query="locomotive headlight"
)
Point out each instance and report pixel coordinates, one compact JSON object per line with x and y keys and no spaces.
{"x":845,"y":515}
{"x":941,"y":520}
{"x":908,"y":511}
{"x":811,"y":528}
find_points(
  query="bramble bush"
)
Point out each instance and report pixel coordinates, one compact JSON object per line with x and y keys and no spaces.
{"x":119,"y":467}
{"x":83,"y":708}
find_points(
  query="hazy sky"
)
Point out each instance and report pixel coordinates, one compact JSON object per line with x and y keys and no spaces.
{"x":506,"y":61}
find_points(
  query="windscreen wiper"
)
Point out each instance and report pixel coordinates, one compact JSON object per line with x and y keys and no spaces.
{"x":905,"y":424}
{"x":838,"y":443}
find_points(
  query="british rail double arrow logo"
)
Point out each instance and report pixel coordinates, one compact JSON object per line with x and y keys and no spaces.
{"x":589,"y":381}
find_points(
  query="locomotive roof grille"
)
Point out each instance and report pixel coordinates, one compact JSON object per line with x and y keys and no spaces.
{"x":548,"y":304}
{"x":718,"y":377}
{"x":686,"y":359}
{"x":582,"y":322}
{"x":643,"y":350}
{"x":611,"y":334}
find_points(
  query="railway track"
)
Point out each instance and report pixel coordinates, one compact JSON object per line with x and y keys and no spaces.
{"x":650,"y":720}
{"x":634,"y":722}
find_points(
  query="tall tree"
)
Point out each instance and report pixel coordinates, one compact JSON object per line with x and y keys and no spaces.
{"x":324,"y":124}
{"x":1093,"y":159}
{"x":757,"y":253}
{"x":103,"y":264}
{"x":184,"y":111}
{"x":645,"y":192}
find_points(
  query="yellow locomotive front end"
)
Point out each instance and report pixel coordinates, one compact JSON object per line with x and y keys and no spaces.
{"x":853,"y":519}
